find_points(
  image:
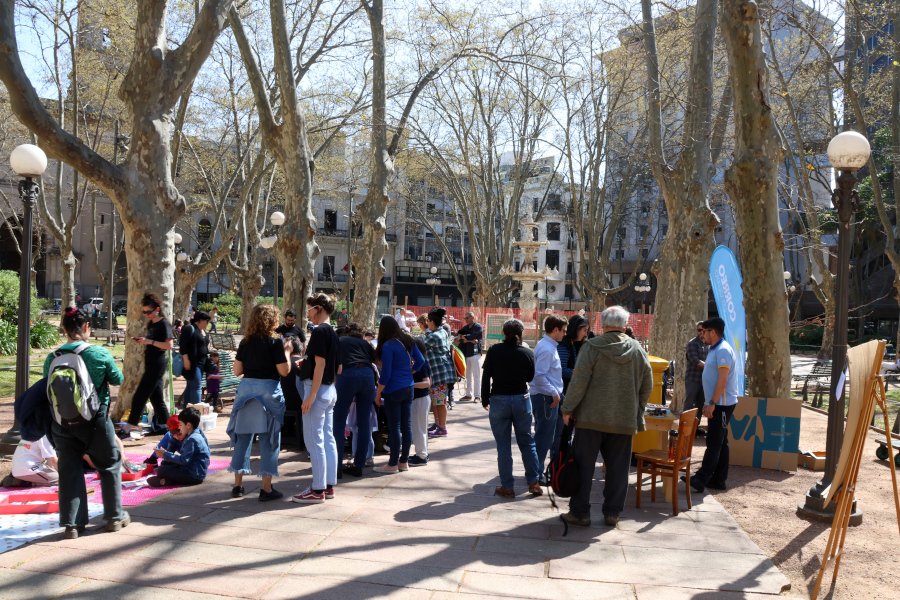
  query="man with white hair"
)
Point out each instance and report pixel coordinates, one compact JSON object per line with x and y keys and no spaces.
{"x":609,"y":389}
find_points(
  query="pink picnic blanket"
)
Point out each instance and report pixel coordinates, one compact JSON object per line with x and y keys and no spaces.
{"x":132,"y":495}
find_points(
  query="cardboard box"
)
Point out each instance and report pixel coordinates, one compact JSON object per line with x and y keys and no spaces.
{"x":765,"y":433}
{"x":814,"y":461}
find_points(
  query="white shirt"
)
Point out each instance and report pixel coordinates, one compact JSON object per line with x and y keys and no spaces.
{"x":547,"y":369}
{"x":31,"y":454}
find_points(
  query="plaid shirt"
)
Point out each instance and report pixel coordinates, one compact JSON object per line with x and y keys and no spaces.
{"x":440,"y":364}
{"x":696,"y":351}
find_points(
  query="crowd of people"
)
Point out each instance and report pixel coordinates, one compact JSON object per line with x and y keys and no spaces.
{"x":355,"y":381}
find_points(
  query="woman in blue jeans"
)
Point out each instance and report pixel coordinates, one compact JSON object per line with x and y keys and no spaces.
{"x":318,"y":374}
{"x":355,"y":379}
{"x":263,"y":359}
{"x":508,"y":367}
{"x":400,"y":358}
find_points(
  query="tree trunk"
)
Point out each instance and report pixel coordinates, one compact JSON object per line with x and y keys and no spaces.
{"x":69,"y":262}
{"x":185,"y":281}
{"x":251,"y":284}
{"x":752,"y":184}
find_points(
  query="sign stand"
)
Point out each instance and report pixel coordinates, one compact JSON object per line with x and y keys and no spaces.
{"x":834,"y":550}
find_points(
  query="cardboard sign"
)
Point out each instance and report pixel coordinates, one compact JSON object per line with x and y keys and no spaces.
{"x":765,"y":433}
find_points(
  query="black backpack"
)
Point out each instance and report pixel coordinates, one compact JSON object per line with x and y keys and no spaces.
{"x":564,"y":477}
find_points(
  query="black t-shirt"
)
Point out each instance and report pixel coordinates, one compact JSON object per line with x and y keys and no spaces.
{"x":419,"y":376}
{"x":158,"y":332}
{"x":355,"y":351}
{"x":259,"y":356}
{"x":286,"y":330}
{"x":324,"y":342}
{"x":195,"y":343}
{"x":292,"y":399}
{"x":506,"y":372}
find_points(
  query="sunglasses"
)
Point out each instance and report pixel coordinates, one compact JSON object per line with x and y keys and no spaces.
{"x":148,"y":312}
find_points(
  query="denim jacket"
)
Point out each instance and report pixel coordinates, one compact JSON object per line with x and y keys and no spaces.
{"x":268,"y":393}
{"x":194,"y":455}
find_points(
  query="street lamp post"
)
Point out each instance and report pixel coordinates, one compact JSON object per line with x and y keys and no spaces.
{"x":28,"y":161}
{"x":269,"y":241}
{"x":847,"y":152}
{"x":433,"y":280}
{"x":644,"y":287}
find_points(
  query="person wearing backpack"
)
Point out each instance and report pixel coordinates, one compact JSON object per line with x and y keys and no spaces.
{"x":81,"y":425}
{"x":508,"y":367}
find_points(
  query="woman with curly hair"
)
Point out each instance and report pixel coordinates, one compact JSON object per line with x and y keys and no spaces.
{"x":158,"y":341}
{"x":263,"y":358}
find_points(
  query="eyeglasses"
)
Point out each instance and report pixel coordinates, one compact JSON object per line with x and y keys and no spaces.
{"x":148,"y":312}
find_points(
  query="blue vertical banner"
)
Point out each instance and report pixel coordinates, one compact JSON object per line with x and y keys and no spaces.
{"x":726,"y":279}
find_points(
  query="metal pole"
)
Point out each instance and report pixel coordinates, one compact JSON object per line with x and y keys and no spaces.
{"x":28,"y":192}
{"x":275,"y":283}
{"x":349,"y":250}
{"x":112,"y":248}
{"x":845,"y":199}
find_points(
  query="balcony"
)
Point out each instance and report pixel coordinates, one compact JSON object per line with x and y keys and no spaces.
{"x":342,"y":233}
{"x":336,"y":277}
{"x":385,"y":280}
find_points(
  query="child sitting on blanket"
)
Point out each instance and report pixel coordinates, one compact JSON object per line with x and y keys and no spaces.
{"x":171,"y":442}
{"x":190,"y":465}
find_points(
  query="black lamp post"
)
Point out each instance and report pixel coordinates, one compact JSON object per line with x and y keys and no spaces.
{"x":433,"y":280}
{"x":270,"y":238}
{"x":847,"y":152}
{"x":28,"y":161}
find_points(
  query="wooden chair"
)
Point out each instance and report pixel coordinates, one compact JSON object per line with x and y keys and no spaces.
{"x":657,"y":462}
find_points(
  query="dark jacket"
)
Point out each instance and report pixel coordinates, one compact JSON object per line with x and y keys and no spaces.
{"x":32,"y":410}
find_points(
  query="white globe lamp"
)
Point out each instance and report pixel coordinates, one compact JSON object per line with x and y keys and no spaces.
{"x":177,"y":238}
{"x":277,"y":218}
{"x":28,"y":160}
{"x":848,"y":151}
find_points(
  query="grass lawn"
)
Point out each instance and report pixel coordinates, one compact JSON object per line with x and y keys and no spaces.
{"x":8,"y":364}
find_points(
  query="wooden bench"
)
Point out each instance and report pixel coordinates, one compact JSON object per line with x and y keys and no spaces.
{"x":820,"y":376}
{"x":223,"y":341}
{"x":230,"y":381}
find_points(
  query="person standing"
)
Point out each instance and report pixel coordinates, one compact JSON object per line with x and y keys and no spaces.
{"x":693,"y":376}
{"x":443,"y":372}
{"x":96,"y":439}
{"x":318,"y":373}
{"x":193,"y":344}
{"x":290,"y":326}
{"x":214,"y":318}
{"x":263,"y":358}
{"x":720,"y":388}
{"x":610,"y":387}
{"x":419,"y":414}
{"x":547,"y":386}
{"x":158,"y":340}
{"x":576,"y":333}
{"x":508,"y":367}
{"x":355,"y":380}
{"x":400,"y":358}
{"x":469,"y":338}
{"x":343,"y":319}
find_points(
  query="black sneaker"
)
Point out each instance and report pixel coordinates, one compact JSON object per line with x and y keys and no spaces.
{"x":544,"y":480}
{"x":237,"y":491}
{"x":265,"y":496}
{"x":695,"y":484}
{"x":716,"y":485}
{"x":354,"y":471}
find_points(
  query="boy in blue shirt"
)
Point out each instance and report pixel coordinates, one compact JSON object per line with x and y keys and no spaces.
{"x":189,"y":466}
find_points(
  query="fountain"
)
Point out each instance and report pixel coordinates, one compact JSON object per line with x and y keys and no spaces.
{"x":527,"y":276}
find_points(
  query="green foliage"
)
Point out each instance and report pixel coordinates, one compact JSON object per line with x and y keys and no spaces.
{"x":808,"y":335}
{"x":7,"y":337}
{"x":44,"y":334}
{"x":9,"y":298}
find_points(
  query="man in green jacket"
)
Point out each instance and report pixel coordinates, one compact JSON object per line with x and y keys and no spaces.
{"x":606,"y":398}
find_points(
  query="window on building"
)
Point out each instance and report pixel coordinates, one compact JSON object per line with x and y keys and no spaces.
{"x":553,"y":232}
{"x":645,"y":209}
{"x":518,"y":265}
{"x":621,"y":233}
{"x":534,"y":234}
{"x":663,"y":230}
{"x":569,"y":267}
{"x":413,"y":230}
{"x":534,"y":264}
{"x":204,"y":231}
{"x":642,"y":232}
{"x":719,"y":229}
{"x":552,"y":258}
{"x":330,"y":220}
{"x":405,"y":274}
{"x":570,"y":291}
{"x":101,"y":245}
{"x":554,"y":201}
{"x":102,"y":219}
{"x":328,"y":266}
{"x":645,"y":253}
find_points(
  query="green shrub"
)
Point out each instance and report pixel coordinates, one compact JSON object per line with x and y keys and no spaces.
{"x":229,"y":308}
{"x":808,"y":335}
{"x":9,"y":298}
{"x":7,"y":337}
{"x":44,"y":334}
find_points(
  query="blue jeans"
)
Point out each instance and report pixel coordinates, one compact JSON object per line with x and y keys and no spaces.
{"x":268,"y":454}
{"x":398,"y":410}
{"x":366,"y":440}
{"x":545,"y":416}
{"x":318,"y":434}
{"x":506,"y":413}
{"x":353,"y":383}
{"x":192,"y":389}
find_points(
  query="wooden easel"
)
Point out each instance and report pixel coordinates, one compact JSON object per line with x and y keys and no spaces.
{"x":835,"y":547}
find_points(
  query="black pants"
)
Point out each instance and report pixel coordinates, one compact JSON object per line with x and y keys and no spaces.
{"x":150,"y":387}
{"x":616,"y":451}
{"x":694,"y":398}
{"x":715,"y":459}
{"x":174,"y":473}
{"x":98,"y":440}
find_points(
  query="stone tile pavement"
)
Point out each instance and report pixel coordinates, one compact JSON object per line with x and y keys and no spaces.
{"x":433,"y":533}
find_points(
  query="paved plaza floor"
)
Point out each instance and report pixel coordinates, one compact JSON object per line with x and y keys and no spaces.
{"x":432,"y":533}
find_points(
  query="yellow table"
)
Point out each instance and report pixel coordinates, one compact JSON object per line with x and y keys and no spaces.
{"x":656,"y":437}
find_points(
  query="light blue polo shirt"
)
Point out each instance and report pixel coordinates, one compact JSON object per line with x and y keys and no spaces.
{"x":721,"y":356}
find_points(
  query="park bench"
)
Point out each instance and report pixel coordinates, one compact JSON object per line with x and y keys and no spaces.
{"x":230,"y":381}
{"x":223,"y":341}
{"x":820,"y":377}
